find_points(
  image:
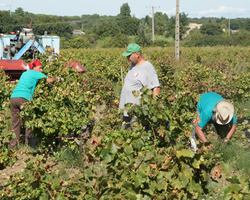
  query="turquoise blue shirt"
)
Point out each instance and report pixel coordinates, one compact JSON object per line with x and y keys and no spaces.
{"x":205,"y":107}
{"x":27,"y":83}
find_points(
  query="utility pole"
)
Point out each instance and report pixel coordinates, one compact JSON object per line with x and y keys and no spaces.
{"x":10,"y":7}
{"x":177,"y":33}
{"x":229,"y":26}
{"x":153,"y":24}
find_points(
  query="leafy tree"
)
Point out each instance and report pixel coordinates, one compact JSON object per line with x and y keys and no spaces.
{"x":5,"y":22}
{"x":144,"y":35}
{"x":92,"y":37}
{"x":194,"y":38}
{"x":170,"y":32}
{"x":75,"y":41}
{"x":211,"y":29}
{"x":220,"y":20}
{"x":160,"y":23}
{"x":90,"y":21}
{"x":171,"y":25}
{"x":129,"y":26}
{"x":60,"y":29}
{"x":148,"y":20}
{"x":125,"y":10}
{"x":247,"y":25}
{"x":241,"y":38}
{"x":44,"y":23}
{"x":184,"y":21}
{"x":236,"y":24}
{"x":45,"y":19}
{"x":120,"y":41}
{"x":107,"y":29}
{"x":19,"y":12}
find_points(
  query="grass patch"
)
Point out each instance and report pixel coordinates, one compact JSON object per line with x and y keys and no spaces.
{"x":235,"y":155}
{"x":72,"y":158}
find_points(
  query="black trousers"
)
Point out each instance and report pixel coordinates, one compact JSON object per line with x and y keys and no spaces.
{"x":127,"y":122}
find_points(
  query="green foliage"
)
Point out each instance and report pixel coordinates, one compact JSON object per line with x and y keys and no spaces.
{"x":95,"y":20}
{"x":247,"y":25}
{"x":19,"y":12}
{"x":125,"y":10}
{"x":38,"y":182}
{"x":197,"y":39}
{"x":5,"y":22}
{"x":151,"y":162}
{"x":109,"y":26}
{"x":235,"y":24}
{"x":160,"y":23}
{"x":107,"y":29}
{"x":92,"y":38}
{"x":241,"y":38}
{"x":211,"y":29}
{"x":129,"y":26}
{"x":4,"y":92}
{"x":57,"y":28}
{"x":162,"y":41}
{"x":7,"y":156}
{"x":170,"y":31}
{"x":120,"y":40}
{"x":238,"y":188}
{"x":236,"y":156}
{"x":134,"y":165}
{"x":60,"y":109}
{"x":71,"y":157}
{"x":75,"y":41}
{"x":144,"y":36}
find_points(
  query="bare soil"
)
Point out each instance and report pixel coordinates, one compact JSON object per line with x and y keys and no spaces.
{"x":18,"y":167}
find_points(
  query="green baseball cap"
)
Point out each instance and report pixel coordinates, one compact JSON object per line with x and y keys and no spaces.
{"x":132,"y":48}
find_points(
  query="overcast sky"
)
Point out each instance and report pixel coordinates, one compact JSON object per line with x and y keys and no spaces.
{"x":139,"y":8}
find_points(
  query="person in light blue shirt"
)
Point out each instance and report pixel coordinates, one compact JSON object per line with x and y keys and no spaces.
{"x":23,"y":93}
{"x":212,"y":108}
{"x":26,"y":85}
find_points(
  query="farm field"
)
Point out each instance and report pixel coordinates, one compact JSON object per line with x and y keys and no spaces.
{"x":82,"y":153}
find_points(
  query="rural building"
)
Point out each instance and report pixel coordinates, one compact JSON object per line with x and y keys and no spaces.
{"x":192,"y":26}
{"x":232,"y":31}
{"x":78,"y":32}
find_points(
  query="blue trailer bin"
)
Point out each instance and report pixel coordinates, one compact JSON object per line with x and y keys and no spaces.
{"x":4,"y":42}
{"x":51,"y":43}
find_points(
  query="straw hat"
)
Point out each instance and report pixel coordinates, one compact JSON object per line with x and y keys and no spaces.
{"x":224,"y":112}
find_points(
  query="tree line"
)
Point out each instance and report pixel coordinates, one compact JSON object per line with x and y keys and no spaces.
{"x":118,"y":31}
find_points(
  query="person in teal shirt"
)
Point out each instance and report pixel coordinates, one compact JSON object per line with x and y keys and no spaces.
{"x":213,"y":108}
{"x":23,"y":93}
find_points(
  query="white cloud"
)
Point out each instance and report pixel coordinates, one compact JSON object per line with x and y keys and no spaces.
{"x":2,"y":4}
{"x":170,"y":12}
{"x":223,"y":10}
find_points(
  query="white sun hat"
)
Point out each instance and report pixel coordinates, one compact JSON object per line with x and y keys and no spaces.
{"x":224,"y":112}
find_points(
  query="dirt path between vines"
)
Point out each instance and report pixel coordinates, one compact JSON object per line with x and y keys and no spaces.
{"x":18,"y":167}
